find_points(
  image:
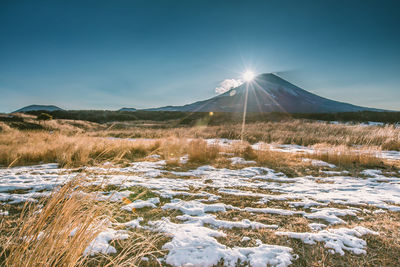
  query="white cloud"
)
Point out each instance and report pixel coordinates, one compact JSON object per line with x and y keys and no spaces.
{"x":228,"y":84}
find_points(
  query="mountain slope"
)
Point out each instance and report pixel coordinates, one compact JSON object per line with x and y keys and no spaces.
{"x":269,"y":93}
{"x":38,"y":107}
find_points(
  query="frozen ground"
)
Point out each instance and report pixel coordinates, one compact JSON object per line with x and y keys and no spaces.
{"x":22,"y":184}
{"x":197,"y":200}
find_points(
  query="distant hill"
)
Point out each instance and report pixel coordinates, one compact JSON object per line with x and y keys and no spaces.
{"x":38,"y":108}
{"x":268,"y":93}
{"x":127,"y":109}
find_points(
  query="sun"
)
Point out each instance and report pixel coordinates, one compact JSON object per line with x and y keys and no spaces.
{"x":248,"y":76}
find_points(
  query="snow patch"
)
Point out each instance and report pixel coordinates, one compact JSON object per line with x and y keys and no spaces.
{"x":273,"y":211}
{"x":316,"y":226}
{"x":138,"y":204}
{"x":101,"y":243}
{"x":194,"y":207}
{"x":211,"y":220}
{"x":245,"y":239}
{"x":337,"y":240}
{"x":319,"y":163}
{"x":241,"y":161}
{"x":3,"y":213}
{"x":331,"y":214}
{"x":195,"y":245}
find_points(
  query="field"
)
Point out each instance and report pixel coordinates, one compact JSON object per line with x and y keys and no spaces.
{"x":294,"y":192}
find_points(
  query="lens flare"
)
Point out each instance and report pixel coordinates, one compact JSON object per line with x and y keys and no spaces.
{"x":248,"y":76}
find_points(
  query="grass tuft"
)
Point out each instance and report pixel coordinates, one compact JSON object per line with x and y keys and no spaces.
{"x":42,"y":236}
{"x":200,"y":152}
{"x":345,"y":157}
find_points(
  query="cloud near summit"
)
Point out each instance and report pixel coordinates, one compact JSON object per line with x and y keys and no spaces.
{"x":228,"y":84}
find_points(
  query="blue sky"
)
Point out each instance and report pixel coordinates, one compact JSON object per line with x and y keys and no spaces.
{"x":113,"y":54}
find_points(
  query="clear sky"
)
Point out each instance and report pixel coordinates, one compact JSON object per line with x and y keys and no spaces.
{"x":112,"y":54}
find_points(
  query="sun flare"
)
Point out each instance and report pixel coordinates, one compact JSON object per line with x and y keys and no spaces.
{"x":248,"y":76}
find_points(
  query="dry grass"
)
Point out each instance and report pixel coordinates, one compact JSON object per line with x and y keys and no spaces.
{"x":88,"y":145}
{"x":199,"y":151}
{"x":286,"y":132}
{"x":345,"y":157}
{"x":4,"y":128}
{"x":289,"y":163}
{"x":41,"y":237}
{"x":41,"y":234}
{"x":293,"y":131}
{"x":75,"y":150}
{"x":391,"y":145}
{"x":30,"y":147}
{"x":382,"y":249}
{"x":72,"y":126}
{"x":172,"y":149}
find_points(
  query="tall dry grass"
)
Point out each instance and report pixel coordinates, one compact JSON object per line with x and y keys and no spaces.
{"x":72,"y":126}
{"x":32,"y":147}
{"x":172,"y":149}
{"x":42,"y":234}
{"x":343,"y":156}
{"x":78,"y":149}
{"x":293,"y":163}
{"x":286,"y":132}
{"x":197,"y":150}
{"x":200,"y":152}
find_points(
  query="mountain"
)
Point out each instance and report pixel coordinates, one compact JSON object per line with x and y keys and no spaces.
{"x":127,"y":109}
{"x":268,"y":93}
{"x":38,"y":107}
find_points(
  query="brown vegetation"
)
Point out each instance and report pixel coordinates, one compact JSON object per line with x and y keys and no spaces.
{"x":57,"y":230}
{"x":344,"y":157}
{"x":199,"y":151}
{"x":286,"y":132}
{"x":33,"y":147}
{"x":41,"y":237}
{"x":74,"y":149}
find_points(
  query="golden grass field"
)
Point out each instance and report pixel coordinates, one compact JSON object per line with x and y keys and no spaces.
{"x":38,"y":234}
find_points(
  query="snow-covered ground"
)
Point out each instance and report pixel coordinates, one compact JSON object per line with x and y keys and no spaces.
{"x":22,"y":184}
{"x":325,"y":202}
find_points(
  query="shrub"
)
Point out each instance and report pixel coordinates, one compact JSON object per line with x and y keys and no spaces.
{"x":44,"y":117}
